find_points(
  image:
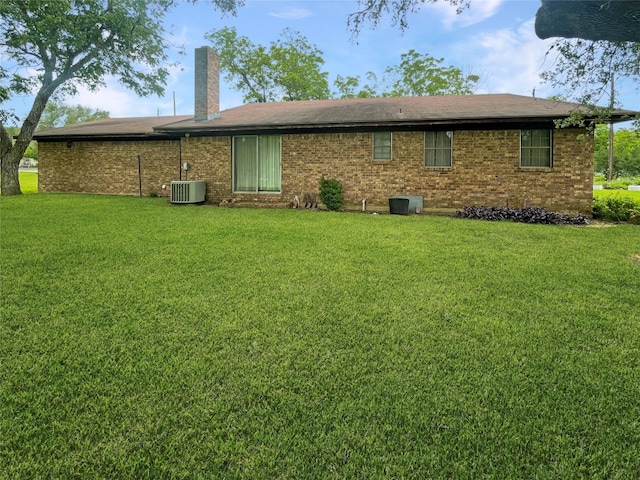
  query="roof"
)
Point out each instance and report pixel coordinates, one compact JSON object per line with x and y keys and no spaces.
{"x":387,"y":112}
{"x":111,"y":127}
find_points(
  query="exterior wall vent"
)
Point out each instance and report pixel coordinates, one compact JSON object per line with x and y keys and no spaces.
{"x":193,"y":191}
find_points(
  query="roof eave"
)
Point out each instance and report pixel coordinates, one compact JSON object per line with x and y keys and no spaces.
{"x":515,"y":122}
{"x":108,"y":137}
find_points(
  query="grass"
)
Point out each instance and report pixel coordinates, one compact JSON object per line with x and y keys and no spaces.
{"x":28,"y":182}
{"x":633,"y":194}
{"x":152,"y":341}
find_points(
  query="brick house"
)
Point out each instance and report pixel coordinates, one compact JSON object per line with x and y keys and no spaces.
{"x":490,"y":150}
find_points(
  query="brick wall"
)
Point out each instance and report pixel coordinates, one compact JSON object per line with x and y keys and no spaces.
{"x":209,"y":159}
{"x":486,"y":169}
{"x":207,"y":84}
{"x":109,"y":167}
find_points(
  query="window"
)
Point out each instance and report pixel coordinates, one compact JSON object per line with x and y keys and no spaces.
{"x":256,"y":164}
{"x":382,"y":146}
{"x":437,"y":149}
{"x":535,"y":148}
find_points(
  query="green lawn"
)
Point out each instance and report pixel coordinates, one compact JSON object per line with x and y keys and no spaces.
{"x":635,"y":195}
{"x":28,"y":182}
{"x":142,"y":340}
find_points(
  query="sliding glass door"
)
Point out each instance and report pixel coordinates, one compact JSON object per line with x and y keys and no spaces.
{"x":256,"y":163}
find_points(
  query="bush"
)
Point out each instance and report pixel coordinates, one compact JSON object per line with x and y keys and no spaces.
{"x":615,"y":185}
{"x":621,"y":183}
{"x":331,"y":193}
{"x":616,"y":208}
{"x":523,"y":215}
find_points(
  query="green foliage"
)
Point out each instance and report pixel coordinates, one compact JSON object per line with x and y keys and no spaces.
{"x":50,"y":48}
{"x":308,"y":346}
{"x":71,"y":43}
{"x":584,"y":70}
{"x":57,"y":114}
{"x":616,"y":208}
{"x":626,"y":151}
{"x":31,"y":151}
{"x":331,"y":193}
{"x":289,"y":69}
{"x":416,"y":75}
{"x":372,"y":12}
{"x":620,"y":183}
{"x":421,"y":74}
{"x":633,"y":194}
{"x":349,"y":87}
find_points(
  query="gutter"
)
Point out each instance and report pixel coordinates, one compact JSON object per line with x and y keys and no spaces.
{"x":479,"y":124}
{"x":113,"y":137}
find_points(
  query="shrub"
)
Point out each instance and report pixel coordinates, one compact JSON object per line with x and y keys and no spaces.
{"x":615,"y":185}
{"x":616,"y":208}
{"x":621,"y":183}
{"x":331,"y":193}
{"x":523,"y":215}
{"x":599,"y":179}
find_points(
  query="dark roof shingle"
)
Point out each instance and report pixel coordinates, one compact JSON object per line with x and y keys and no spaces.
{"x":337,"y":113}
{"x":112,"y":127}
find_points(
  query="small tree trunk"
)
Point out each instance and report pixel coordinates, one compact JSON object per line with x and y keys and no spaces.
{"x":10,"y":182}
{"x":11,"y":152}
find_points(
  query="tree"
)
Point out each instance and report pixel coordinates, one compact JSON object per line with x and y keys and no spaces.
{"x":289,"y":69}
{"x":57,"y":114}
{"x":349,"y":87}
{"x":585,"y":68}
{"x":71,"y":43}
{"x":608,"y":33}
{"x":421,"y":75}
{"x":611,"y":20}
{"x":32,"y":149}
{"x":626,"y":151}
{"x":416,"y":75}
{"x":373,"y":11}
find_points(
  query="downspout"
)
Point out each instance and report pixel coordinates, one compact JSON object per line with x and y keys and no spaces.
{"x":180,"y":157}
{"x":139,"y":177}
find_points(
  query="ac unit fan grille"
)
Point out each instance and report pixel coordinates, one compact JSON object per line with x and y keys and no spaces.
{"x":188,"y":192}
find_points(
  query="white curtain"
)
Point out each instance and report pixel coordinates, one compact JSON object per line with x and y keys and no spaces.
{"x":245,"y":151}
{"x":535,"y":148}
{"x":269,"y":163}
{"x":256,"y":165}
{"x":438,"y":149}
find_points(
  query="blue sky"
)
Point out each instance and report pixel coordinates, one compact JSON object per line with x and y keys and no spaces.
{"x":494,"y":39}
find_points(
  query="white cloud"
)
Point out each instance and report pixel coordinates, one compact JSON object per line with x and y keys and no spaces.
{"x":510,"y":60}
{"x":478,"y":11}
{"x":292,"y":14}
{"x":121,"y":102}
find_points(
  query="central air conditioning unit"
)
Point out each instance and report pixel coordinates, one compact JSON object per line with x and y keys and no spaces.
{"x":186,"y":192}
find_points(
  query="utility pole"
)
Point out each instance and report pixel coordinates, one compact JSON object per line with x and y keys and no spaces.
{"x":611,"y":103}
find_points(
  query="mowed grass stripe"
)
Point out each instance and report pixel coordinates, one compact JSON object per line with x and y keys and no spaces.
{"x":148,"y":340}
